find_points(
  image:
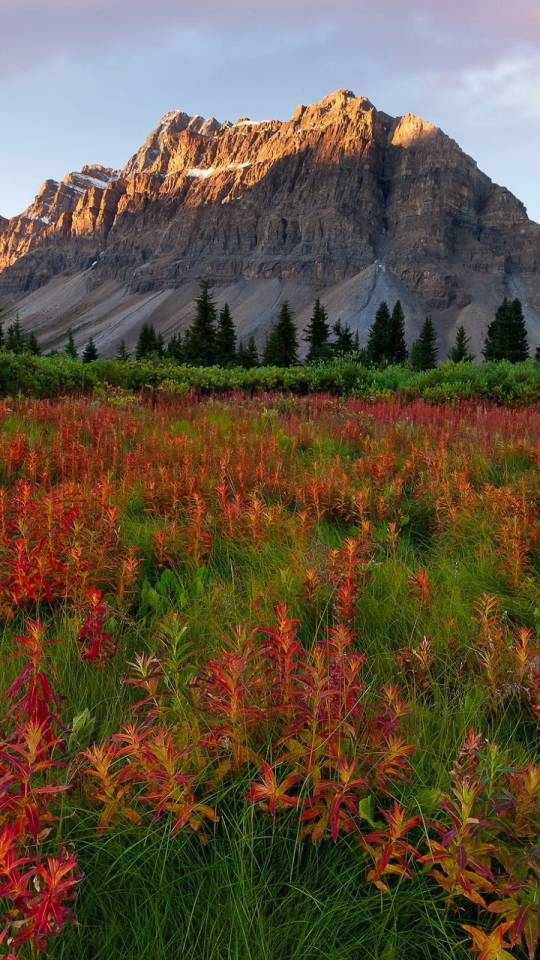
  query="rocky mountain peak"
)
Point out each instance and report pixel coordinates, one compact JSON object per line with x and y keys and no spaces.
{"x":341,"y":201}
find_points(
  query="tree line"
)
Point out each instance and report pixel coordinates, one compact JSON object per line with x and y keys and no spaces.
{"x":211,"y":339}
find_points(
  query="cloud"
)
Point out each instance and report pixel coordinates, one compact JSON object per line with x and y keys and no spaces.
{"x":35,"y":31}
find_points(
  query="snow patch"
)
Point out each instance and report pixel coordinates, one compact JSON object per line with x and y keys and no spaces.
{"x":200,"y":174}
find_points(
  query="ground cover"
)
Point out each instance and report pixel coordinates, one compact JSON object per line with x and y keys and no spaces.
{"x":272,"y":677}
{"x":51,"y":377}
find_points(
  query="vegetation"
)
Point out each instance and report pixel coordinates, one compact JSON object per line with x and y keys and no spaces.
{"x":281,"y":345}
{"x":424,"y":349}
{"x":317,"y":332}
{"x":507,"y":336}
{"x":459,"y":352}
{"x":275,"y":690}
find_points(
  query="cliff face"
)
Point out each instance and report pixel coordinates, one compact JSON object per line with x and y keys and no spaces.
{"x":338,"y":190}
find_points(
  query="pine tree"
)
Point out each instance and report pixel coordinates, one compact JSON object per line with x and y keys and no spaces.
{"x":537,"y":353}
{"x":90,"y":352}
{"x":506,"y":337}
{"x":71,"y":350}
{"x":225,"y":339}
{"x":15,"y":341}
{"x":424,"y":350}
{"x":121,"y":354}
{"x":459,"y":352}
{"x":2,"y":337}
{"x":395,"y":350}
{"x":281,"y":346}
{"x":251,"y":357}
{"x":32,"y":345}
{"x":200,"y":339}
{"x":317,"y":331}
{"x":378,"y":334}
{"x":147,"y":343}
{"x":344,"y":342}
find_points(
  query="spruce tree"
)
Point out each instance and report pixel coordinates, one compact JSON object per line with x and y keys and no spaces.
{"x":90,"y":352}
{"x":424,"y":350}
{"x":32,"y":345}
{"x":15,"y":338}
{"x":344,"y":342}
{"x":200,"y":340}
{"x":506,"y":337}
{"x":225,"y":339}
{"x":459,"y":352}
{"x":378,"y":334}
{"x":281,"y":345}
{"x":395,"y":350}
{"x":71,"y":350}
{"x":147,"y":343}
{"x":175,"y":348}
{"x":518,"y":347}
{"x":317,"y":331}
{"x":121,"y":354}
{"x":251,"y":356}
{"x":160,"y":346}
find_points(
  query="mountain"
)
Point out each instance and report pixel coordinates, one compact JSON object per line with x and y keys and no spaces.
{"x":342,"y":201}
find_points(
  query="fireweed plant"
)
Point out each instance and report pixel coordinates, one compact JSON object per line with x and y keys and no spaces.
{"x":271,"y":678}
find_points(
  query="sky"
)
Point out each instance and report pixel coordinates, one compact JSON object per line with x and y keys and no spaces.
{"x":85,"y":81}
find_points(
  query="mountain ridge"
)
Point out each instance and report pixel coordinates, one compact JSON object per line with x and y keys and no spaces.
{"x":340,"y":191}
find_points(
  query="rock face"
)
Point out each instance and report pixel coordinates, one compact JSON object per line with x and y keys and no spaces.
{"x":340,"y":192}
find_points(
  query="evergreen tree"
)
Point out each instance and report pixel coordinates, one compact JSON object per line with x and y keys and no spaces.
{"x":225,"y":339}
{"x":344,"y":342}
{"x":424,"y":350}
{"x":175,"y":348}
{"x":200,"y":339}
{"x":281,"y":345}
{"x":518,"y":347}
{"x":147,"y":343}
{"x":2,"y":337}
{"x":459,"y":352}
{"x":160,"y":346}
{"x":506,"y":337}
{"x":395,"y":350}
{"x":378,"y":334}
{"x":32,"y":345}
{"x":15,"y":338}
{"x":317,"y":331}
{"x":251,"y":357}
{"x":90,"y":352}
{"x":537,"y":353}
{"x":71,"y":350}
{"x":121,"y":354}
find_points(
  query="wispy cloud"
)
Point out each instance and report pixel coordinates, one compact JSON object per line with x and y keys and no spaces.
{"x":37,"y":30}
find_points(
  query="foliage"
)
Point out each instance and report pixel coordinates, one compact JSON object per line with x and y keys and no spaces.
{"x":317,"y":332}
{"x":200,"y":343}
{"x":89,"y":353}
{"x":225,"y":339}
{"x":424,"y":350}
{"x":71,"y":350}
{"x":281,"y":345}
{"x":378,"y":335}
{"x":506,"y":337}
{"x":328,"y":607}
{"x":459,"y":352}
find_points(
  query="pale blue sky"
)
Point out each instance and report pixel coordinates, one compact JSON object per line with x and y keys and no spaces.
{"x":84,"y":81}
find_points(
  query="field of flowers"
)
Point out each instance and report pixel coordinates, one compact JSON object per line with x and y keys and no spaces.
{"x":271,"y":678}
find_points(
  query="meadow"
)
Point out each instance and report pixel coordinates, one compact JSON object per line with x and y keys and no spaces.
{"x":271,"y":680}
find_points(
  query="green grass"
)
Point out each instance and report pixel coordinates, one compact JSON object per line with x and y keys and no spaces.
{"x":254,"y":892}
